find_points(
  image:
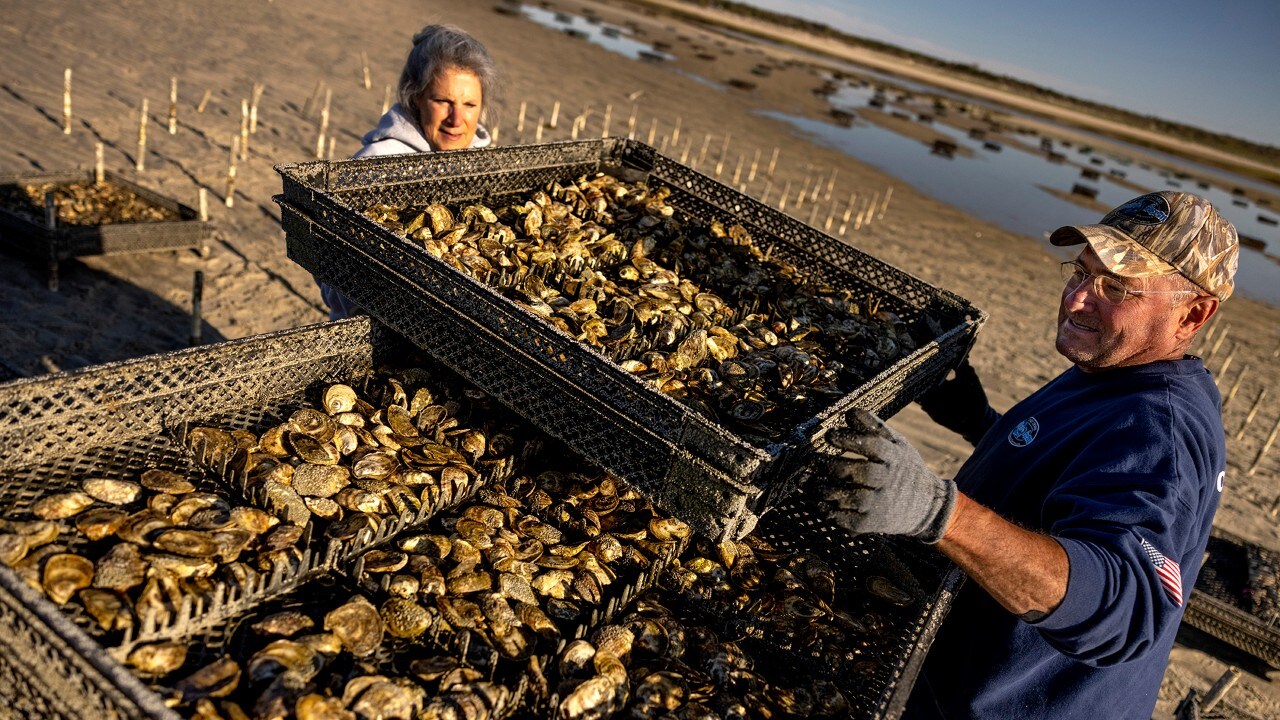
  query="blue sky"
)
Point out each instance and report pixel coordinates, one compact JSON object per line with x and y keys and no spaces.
{"x":1213,"y":65}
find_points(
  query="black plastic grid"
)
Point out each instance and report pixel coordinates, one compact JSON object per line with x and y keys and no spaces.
{"x":22,"y":236}
{"x":563,"y":386}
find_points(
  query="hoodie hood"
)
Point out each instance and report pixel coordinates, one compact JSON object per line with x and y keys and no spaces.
{"x":397,"y":133}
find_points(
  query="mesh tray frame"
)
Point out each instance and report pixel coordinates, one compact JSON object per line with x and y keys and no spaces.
{"x":1217,"y":605}
{"x":113,"y":420}
{"x":35,"y":240}
{"x":710,"y":477}
{"x":799,"y":524}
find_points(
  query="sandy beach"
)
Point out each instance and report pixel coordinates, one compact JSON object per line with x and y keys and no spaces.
{"x":116,"y":307}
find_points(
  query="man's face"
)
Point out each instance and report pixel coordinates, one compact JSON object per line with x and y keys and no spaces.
{"x":449,"y":109}
{"x":1096,"y":334}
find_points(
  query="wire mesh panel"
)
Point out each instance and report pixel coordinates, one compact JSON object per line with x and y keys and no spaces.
{"x":24,"y":232}
{"x":1235,"y":597}
{"x":114,"y":420}
{"x":713,"y":478}
{"x":899,"y":589}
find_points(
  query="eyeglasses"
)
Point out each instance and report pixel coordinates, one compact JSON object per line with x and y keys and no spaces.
{"x":1105,"y":286}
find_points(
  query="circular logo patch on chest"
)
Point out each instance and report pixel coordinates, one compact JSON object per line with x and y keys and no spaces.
{"x":1024,"y":433}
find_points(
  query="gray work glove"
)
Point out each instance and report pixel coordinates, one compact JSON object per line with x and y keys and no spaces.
{"x":880,"y":484}
{"x":960,"y":404}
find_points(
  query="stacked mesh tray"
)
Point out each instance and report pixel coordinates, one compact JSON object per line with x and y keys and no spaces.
{"x":708,"y":476}
{"x":115,"y":419}
{"x":1223,"y":604}
{"x":26,"y":237}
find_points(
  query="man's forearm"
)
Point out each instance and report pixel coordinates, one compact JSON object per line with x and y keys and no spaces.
{"x":1024,"y":571}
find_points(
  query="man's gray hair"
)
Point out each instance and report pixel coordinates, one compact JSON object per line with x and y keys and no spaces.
{"x":437,"y":47}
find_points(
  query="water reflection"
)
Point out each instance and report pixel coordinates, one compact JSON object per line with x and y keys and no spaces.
{"x":1005,"y":188}
{"x":610,"y":37}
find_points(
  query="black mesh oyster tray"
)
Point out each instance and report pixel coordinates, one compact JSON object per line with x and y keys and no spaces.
{"x":151,"y":221}
{"x":715,"y":477}
{"x":1237,"y":596}
{"x":114,"y":423}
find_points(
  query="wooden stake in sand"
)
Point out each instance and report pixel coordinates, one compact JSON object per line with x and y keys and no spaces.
{"x":51,"y":221}
{"x":231,"y":171}
{"x":495,"y":133}
{"x":1220,"y":689}
{"x":737,"y":171}
{"x":573,"y":131}
{"x":773,"y":162}
{"x":663,"y":148}
{"x":782,"y":202}
{"x":817,"y":185}
{"x":244,"y":129}
{"x":537,"y":131}
{"x":755,"y":161}
{"x":871,"y":210}
{"x":1222,"y":371}
{"x":1235,"y":387}
{"x":173,"y":105}
{"x":884,"y":206}
{"x":653,"y":131}
{"x":1253,"y":410}
{"x":555,"y":114}
{"x":66,"y":101}
{"x":310,"y":105}
{"x":197,"y":300}
{"x":684,"y":154}
{"x":1217,"y":343}
{"x":254,"y":99}
{"x":203,"y":205}
{"x":1262,"y":452}
{"x":324,"y":124}
{"x":813,"y":215}
{"x":702,"y":153}
{"x":848,"y":212}
{"x":608,"y":116}
{"x":803,"y":193}
{"x":364,"y":67}
{"x":631,"y":124}
{"x":328,"y":153}
{"x":520,"y":117}
{"x":831,"y":185}
{"x":97,"y":164}
{"x":386,"y":100}
{"x":142,"y":138}
{"x":675,"y":134}
{"x":724,"y":152}
{"x":768,"y":189}
{"x":204,"y":100}
{"x":831,"y":216}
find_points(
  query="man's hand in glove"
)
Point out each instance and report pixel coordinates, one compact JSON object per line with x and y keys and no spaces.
{"x":960,"y":404}
{"x":880,"y":484}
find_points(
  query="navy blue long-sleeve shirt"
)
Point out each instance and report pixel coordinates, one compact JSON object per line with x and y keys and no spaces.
{"x":1124,"y":469}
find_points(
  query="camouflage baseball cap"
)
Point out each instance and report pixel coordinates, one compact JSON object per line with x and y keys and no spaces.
{"x":1163,"y":233}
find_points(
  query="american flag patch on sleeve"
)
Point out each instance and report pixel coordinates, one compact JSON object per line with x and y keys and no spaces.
{"x":1168,"y":571}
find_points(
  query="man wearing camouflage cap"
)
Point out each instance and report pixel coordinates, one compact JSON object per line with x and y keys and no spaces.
{"x":1083,"y":513}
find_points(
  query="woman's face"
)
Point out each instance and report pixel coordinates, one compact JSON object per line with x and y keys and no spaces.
{"x":449,"y":109}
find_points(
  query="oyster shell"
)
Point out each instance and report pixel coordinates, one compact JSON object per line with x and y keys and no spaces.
{"x":357,"y":624}
{"x":65,"y":574}
{"x":61,"y":506}
{"x":110,"y":491}
{"x":158,"y":659}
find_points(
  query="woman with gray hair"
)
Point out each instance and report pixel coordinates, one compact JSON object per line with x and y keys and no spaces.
{"x":447,"y":87}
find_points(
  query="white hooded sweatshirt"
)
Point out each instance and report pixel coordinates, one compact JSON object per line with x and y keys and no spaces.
{"x":398,"y":134}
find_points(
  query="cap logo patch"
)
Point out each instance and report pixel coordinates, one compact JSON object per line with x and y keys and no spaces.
{"x":1150,"y":209}
{"x":1024,"y":433}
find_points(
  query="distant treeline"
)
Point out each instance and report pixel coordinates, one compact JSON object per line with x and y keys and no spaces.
{"x":1200,"y":136}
